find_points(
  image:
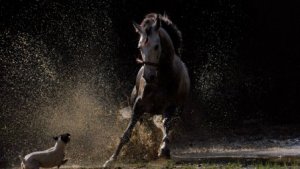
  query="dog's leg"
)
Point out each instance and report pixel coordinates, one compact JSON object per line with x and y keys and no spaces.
{"x":164,"y":148}
{"x":62,"y":163}
{"x":136,"y":114}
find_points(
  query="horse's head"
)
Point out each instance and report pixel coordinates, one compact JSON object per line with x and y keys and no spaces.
{"x":149,"y":45}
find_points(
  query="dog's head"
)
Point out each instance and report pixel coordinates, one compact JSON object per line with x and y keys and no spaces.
{"x":63,"y":137}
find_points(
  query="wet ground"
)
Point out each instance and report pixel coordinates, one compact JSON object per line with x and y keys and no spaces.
{"x":288,"y":152}
{"x":259,"y":144}
{"x":235,"y":155}
{"x":262,"y":146}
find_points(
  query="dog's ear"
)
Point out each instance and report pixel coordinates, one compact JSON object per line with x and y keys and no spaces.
{"x":55,"y":138}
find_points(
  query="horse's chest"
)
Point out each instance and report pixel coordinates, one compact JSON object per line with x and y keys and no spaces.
{"x":154,"y":99}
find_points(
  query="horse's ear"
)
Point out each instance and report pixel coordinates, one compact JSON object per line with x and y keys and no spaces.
{"x":157,"y":22}
{"x":137,"y":27}
{"x":165,"y":15}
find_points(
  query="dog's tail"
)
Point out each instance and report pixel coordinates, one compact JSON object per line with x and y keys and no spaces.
{"x":22,"y":162}
{"x":21,"y":158}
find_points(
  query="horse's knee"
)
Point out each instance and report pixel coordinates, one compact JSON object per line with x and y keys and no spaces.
{"x":166,"y":122}
{"x":166,"y":139}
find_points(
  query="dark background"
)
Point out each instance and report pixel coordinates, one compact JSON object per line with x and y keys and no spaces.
{"x":241,"y":55}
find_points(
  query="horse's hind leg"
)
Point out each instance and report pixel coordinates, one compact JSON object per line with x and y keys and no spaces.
{"x":136,"y":114}
{"x":164,"y":150}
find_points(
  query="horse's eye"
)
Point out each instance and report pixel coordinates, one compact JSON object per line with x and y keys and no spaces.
{"x":156,"y":47}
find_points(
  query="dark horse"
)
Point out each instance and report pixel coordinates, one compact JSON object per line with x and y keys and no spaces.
{"x":162,"y":83}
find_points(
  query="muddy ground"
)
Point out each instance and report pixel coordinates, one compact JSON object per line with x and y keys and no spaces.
{"x":260,"y":147}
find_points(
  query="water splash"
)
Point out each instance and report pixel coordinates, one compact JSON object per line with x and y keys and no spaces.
{"x":59,"y":76}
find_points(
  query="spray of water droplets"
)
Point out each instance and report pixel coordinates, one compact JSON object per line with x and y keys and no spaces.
{"x":58,"y":75}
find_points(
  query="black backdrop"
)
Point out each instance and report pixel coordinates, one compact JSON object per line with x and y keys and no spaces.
{"x":241,"y":55}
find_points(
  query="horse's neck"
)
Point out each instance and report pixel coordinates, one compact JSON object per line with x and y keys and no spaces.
{"x":168,"y":51}
{"x":168,"y":56}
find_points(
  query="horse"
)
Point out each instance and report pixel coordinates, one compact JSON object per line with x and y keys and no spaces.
{"x":162,"y":83}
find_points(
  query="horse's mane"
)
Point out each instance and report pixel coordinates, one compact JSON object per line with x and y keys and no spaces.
{"x":170,"y":28}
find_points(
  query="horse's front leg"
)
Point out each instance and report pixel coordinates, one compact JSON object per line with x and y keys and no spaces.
{"x":164,"y":150}
{"x":136,"y":114}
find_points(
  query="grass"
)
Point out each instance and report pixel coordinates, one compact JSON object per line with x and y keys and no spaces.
{"x":223,"y":166}
{"x":173,"y":165}
{"x":169,"y":164}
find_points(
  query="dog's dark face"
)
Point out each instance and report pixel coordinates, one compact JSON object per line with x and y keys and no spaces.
{"x":64,"y":137}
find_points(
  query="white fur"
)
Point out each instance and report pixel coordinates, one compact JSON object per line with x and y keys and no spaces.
{"x":147,"y":48}
{"x":47,"y":158}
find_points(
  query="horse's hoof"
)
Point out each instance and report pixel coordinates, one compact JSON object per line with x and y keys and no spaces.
{"x":164,"y":153}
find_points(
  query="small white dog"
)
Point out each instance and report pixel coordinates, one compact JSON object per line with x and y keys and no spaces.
{"x":48,"y":158}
